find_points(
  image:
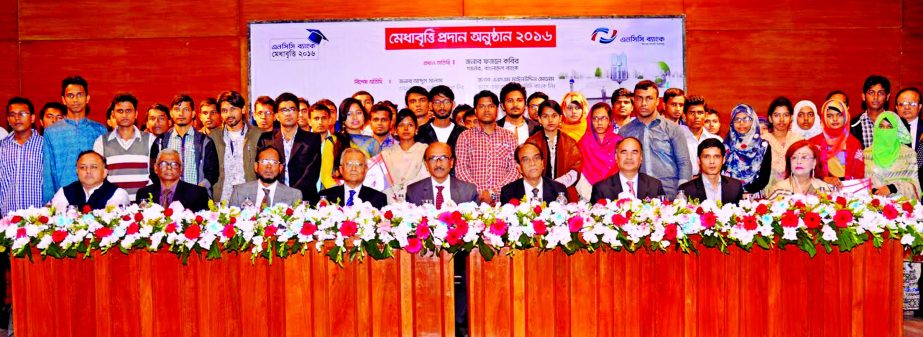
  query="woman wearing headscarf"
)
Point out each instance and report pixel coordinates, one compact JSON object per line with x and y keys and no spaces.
{"x":749,"y":157}
{"x":779,"y":137}
{"x":891,"y":165}
{"x":597,"y":147}
{"x":807,"y":123}
{"x":574,"y":123}
{"x":841,"y":153}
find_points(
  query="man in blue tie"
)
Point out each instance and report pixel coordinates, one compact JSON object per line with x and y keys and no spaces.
{"x":352,"y":168}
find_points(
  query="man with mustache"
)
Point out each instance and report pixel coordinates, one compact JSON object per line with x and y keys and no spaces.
{"x":127,"y":149}
{"x":441,"y":187}
{"x":441,"y":128}
{"x":266,"y":191}
{"x":199,"y":158}
{"x":876,"y":91}
{"x":22,"y":164}
{"x":235,"y":145}
{"x":513,"y":100}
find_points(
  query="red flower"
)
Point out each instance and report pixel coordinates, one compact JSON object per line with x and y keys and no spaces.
{"x":21,"y":232}
{"x":669,"y":232}
{"x":890,"y":212}
{"x":228,"y":231}
{"x":906,"y":206}
{"x":699,"y":211}
{"x":619,"y":220}
{"x":232,"y":220}
{"x":514,"y":201}
{"x":270,"y":230}
{"x":748,"y":222}
{"x":193,"y":232}
{"x":761,"y":209}
{"x":139,"y":216}
{"x":308,"y":228}
{"x":789,"y":219}
{"x":126,"y":217}
{"x":603,"y":202}
{"x":498,"y":228}
{"x":799,"y":204}
{"x":289,"y":211}
{"x":86,"y":209}
{"x":16,"y":219}
{"x":132,"y":228}
{"x":414,"y":245}
{"x":199,"y":219}
{"x":43,"y":219}
{"x":575,"y":224}
{"x":454,"y":237}
{"x":842,"y":218}
{"x":423,"y":229}
{"x":812,"y":220}
{"x":540,"y":227}
{"x":322,"y":203}
{"x":348,"y":228}
{"x":841,"y":201}
{"x":171,"y":228}
{"x":168,"y":212}
{"x":58,"y":236}
{"x":102,"y":232}
{"x":708,"y":220}
{"x":876,"y":203}
{"x":537,"y":209}
{"x":389,"y":215}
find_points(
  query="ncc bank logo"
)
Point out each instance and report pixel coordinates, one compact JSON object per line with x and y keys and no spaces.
{"x":604,"y":35}
{"x":315,"y":36}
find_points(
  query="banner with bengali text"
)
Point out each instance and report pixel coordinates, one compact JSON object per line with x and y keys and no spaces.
{"x":333,"y":59}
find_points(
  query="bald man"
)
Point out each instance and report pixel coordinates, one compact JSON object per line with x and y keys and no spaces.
{"x":440,"y":186}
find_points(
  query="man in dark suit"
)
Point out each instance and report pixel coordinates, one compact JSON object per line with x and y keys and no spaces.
{"x":353,"y":167}
{"x":300,"y":150}
{"x":441,"y":128}
{"x":711,"y":185}
{"x":531,"y":163}
{"x":907,"y":104}
{"x":169,"y":188}
{"x":440,"y":187}
{"x":513,"y":101}
{"x":629,"y":180}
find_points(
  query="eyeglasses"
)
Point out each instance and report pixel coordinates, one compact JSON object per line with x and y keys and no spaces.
{"x":20,"y":114}
{"x":268,"y":162}
{"x":908,"y":104}
{"x":264,"y":113}
{"x":438,"y":159}
{"x":600,"y":118}
{"x":743,"y":119}
{"x":441,"y":102}
{"x":169,"y":165}
{"x":354,"y":164}
{"x":288,"y":110}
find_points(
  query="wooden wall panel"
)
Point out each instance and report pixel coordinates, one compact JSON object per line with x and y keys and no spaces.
{"x":9,"y":17}
{"x":797,"y":64}
{"x":260,"y":10}
{"x":570,"y":8}
{"x":153,"y":69}
{"x":912,"y":58}
{"x":792,"y":14}
{"x":100,"y":19}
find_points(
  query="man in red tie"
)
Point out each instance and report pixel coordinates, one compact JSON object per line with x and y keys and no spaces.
{"x":440,"y":187}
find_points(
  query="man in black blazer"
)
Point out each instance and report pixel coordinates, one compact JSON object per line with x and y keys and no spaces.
{"x":907,"y":104}
{"x":302,"y":162}
{"x":513,"y":100}
{"x":169,"y":188}
{"x":531,"y":163}
{"x":629,"y":155}
{"x":711,"y":158}
{"x":439,"y":162}
{"x":353,"y":167}
{"x":443,"y":101}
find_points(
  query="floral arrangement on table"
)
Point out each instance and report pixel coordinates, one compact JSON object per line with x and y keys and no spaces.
{"x":353,"y":233}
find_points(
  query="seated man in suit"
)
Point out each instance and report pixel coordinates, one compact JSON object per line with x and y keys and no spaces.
{"x":439,"y":162}
{"x":530,"y":160}
{"x":353,"y":164}
{"x":266,"y":191}
{"x":91,"y":187}
{"x":711,"y":185}
{"x":169,"y":188}
{"x":628,"y":155}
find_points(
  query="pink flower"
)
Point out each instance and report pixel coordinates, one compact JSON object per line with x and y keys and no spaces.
{"x":348,"y":228}
{"x":498,"y":228}
{"x":270,"y":230}
{"x":669,"y":232}
{"x":540,"y":227}
{"x":575,"y":224}
{"x":414,"y":245}
{"x":708,"y":219}
{"x":423,"y":229}
{"x":308,"y":229}
{"x":228,"y":231}
{"x":619,"y":220}
{"x":890,"y":212}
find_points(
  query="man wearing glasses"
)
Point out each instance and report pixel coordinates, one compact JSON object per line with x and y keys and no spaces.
{"x":169,"y":188}
{"x":300,"y":150}
{"x":441,"y":187}
{"x":353,"y":168}
{"x":21,"y":167}
{"x":441,"y":128}
{"x":267,"y":191}
{"x":200,"y":160}
{"x":876,"y":91}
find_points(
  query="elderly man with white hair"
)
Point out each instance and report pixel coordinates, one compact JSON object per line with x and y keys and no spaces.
{"x":170,"y":188}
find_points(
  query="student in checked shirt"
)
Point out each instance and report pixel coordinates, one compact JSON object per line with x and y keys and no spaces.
{"x":485,"y":153}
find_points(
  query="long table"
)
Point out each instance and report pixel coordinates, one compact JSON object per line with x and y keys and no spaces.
{"x":756,"y":293}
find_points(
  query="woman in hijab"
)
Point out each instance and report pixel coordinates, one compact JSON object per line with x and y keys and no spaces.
{"x":597,"y":147}
{"x":841,"y":153}
{"x":807,"y":122}
{"x":749,"y":157}
{"x":891,"y":165}
{"x":575,"y":106}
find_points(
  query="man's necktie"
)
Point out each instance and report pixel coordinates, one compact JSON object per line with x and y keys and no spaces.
{"x":265,"y":201}
{"x":349,"y":200}
{"x":167,"y":198}
{"x":535,"y":194}
{"x":631,"y":188}
{"x":439,"y":198}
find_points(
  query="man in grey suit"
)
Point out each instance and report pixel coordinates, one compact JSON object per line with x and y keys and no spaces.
{"x":440,"y":186}
{"x":267,"y":190}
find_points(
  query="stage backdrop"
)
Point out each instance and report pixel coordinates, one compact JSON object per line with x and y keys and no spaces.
{"x":333,"y":59}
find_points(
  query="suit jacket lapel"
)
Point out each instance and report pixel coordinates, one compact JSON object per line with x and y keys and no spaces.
{"x":617,"y":185}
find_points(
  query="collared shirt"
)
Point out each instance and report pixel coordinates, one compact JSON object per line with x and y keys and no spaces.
{"x":486,"y":160}
{"x":521,"y":132}
{"x":633,"y":189}
{"x":356,"y":199}
{"x":388,"y":142}
{"x":63,"y":142}
{"x":185,"y":145}
{"x":552,"y":154}
{"x":272,"y":192}
{"x":287,"y":145}
{"x":233,"y":160}
{"x":868,"y":129}
{"x":913,"y":132}
{"x":125,"y":144}
{"x":693,"y":144}
{"x":20,"y":173}
{"x":163,"y":193}
{"x":534,"y":192}
{"x":447,"y":187}
{"x":666,"y":155}
{"x":711,"y":192}
{"x":60,"y":203}
{"x":616,"y":128}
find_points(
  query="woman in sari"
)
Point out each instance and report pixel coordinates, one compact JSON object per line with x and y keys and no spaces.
{"x":807,"y":123}
{"x":891,"y":165}
{"x":779,"y":137}
{"x":403,"y":164}
{"x":840,"y":152}
{"x":749,"y":157}
{"x":348,"y":128}
{"x":574,"y":122}
{"x":802,"y":172}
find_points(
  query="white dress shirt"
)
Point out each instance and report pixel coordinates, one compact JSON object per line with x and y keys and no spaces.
{"x":446,"y":195}
{"x":346,"y":190}
{"x":625,"y":188}
{"x":59,"y":201}
{"x":272,"y":192}
{"x":531,"y":194}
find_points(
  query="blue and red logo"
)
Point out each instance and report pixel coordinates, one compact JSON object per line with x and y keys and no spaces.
{"x":603,"y":35}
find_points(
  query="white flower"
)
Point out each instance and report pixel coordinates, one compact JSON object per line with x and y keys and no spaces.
{"x":828,"y":234}
{"x":907,"y":240}
{"x":790,"y":233}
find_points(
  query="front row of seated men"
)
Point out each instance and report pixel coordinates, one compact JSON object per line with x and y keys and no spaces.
{"x":94,"y":190}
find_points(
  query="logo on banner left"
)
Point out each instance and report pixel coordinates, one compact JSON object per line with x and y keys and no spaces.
{"x":307,"y":48}
{"x":603,"y":35}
